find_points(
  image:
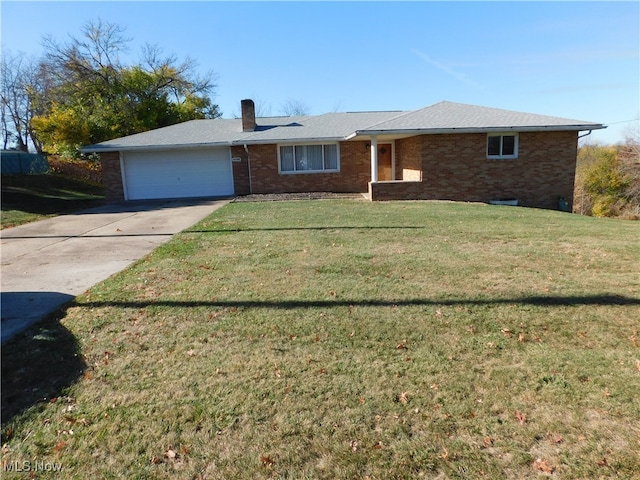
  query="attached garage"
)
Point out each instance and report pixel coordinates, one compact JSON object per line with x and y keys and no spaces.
{"x":177,"y":174}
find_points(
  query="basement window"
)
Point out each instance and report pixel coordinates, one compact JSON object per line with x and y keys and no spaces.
{"x":316,"y":158}
{"x":502,"y":145}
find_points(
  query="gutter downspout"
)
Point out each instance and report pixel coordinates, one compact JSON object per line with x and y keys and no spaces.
{"x":585,"y":135}
{"x":246,"y":149}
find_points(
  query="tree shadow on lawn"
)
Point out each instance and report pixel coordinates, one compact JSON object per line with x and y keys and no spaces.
{"x":37,"y":366}
{"x":328,"y":228}
{"x":40,"y":363}
{"x":48,"y":194}
{"x":543,"y":301}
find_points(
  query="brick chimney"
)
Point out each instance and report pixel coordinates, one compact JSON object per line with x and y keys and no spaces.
{"x":248,"y":115}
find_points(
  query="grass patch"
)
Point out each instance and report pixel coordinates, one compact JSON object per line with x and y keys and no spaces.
{"x":28,"y":198}
{"x":343,"y":339}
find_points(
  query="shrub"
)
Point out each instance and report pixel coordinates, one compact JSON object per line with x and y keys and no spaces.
{"x":88,"y":170}
{"x":608,"y":181}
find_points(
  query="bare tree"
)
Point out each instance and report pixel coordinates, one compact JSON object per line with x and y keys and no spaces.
{"x":181,"y":79}
{"x":92,"y":59}
{"x":22,"y":83}
{"x":293,"y":108}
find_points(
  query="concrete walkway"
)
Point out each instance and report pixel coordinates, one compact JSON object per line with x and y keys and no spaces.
{"x":46,"y":264}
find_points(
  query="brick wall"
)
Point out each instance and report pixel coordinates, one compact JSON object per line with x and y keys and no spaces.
{"x":112,"y":176}
{"x":409,"y":153}
{"x":240,"y":171}
{"x":432,"y":167}
{"x":454,"y":167}
{"x":354,"y":175}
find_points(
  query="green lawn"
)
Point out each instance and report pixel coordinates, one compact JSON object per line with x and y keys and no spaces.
{"x":28,"y":198}
{"x":345,"y":339}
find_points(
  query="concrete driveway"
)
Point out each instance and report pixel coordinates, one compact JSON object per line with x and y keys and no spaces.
{"x":46,"y":264}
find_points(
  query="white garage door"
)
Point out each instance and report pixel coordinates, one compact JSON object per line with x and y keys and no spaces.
{"x":178,"y":174}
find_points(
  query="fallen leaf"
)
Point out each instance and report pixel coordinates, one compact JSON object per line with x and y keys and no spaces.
{"x":170,"y":454}
{"x":191,"y":352}
{"x":603,"y":462}
{"x":59,"y":446}
{"x":378,"y":446}
{"x":487,"y":441}
{"x":520,"y":337}
{"x":267,"y":461}
{"x":506,"y":332}
{"x":555,"y":438}
{"x":354,"y":445}
{"x":543,"y":466}
{"x":402,"y":345}
{"x":403,"y":397}
{"x":521,"y":417}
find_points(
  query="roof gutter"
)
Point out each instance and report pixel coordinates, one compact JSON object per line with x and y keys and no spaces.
{"x":585,"y":135}
{"x":426,"y":131}
{"x":246,"y":149}
{"x":180,"y":146}
{"x":271,"y":141}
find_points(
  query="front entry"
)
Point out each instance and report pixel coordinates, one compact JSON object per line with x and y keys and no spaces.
{"x":385,"y":164}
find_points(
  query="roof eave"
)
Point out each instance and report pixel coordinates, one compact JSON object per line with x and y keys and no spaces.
{"x":430,"y":131}
{"x":272,"y":141}
{"x":175,"y":146}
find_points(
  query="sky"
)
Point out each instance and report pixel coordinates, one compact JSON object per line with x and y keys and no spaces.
{"x":577,"y":60}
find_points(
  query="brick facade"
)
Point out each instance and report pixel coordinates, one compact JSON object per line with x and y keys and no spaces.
{"x":354,"y":174}
{"x":240,"y":171}
{"x":455,"y":167}
{"x":112,"y":176}
{"x":428,"y":167}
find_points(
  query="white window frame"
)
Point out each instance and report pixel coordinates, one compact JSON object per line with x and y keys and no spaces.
{"x":302,"y":172}
{"x":501,"y":135}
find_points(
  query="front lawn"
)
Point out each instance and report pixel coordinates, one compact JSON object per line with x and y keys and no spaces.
{"x":345,"y":339}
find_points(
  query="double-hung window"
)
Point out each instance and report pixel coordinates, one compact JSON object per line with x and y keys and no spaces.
{"x":502,"y":145}
{"x":315,"y":158}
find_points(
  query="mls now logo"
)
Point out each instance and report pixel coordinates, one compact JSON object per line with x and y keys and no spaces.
{"x":35,"y":466}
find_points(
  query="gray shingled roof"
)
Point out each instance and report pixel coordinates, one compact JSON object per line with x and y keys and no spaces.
{"x":443,"y":117}
{"x":449,"y":116}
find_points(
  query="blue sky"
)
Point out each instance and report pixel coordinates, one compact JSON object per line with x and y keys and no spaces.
{"x":570,"y":59}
